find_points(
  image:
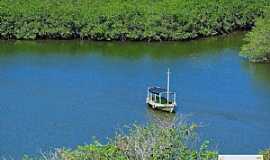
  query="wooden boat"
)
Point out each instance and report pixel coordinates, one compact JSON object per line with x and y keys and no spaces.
{"x":161,"y":98}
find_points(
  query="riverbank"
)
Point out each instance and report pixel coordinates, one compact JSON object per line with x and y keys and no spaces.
{"x":166,"y":20}
{"x":257,"y":47}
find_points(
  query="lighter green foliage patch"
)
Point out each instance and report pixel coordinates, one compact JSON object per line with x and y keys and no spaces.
{"x":258,"y":40}
{"x":174,"y":141}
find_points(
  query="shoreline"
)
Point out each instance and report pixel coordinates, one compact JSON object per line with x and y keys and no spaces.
{"x":132,"y":40}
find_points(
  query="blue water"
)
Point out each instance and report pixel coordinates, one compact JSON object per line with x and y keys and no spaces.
{"x":63,"y":93}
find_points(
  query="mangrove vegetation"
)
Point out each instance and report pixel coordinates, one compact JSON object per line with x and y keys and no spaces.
{"x":177,"y":141}
{"x":257,"y":48}
{"x":126,"y":19}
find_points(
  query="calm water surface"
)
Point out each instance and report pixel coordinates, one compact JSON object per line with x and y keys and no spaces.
{"x":62,"y":93}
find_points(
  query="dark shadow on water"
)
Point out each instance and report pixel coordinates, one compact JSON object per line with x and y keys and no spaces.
{"x":129,"y":50}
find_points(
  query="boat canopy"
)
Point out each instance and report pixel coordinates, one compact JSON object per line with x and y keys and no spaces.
{"x":157,"y":90}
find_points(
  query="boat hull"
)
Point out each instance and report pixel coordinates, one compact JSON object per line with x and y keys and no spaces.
{"x":166,"y":109}
{"x":162,"y":107}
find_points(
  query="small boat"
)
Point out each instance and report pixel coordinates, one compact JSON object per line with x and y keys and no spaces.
{"x":161,"y":98}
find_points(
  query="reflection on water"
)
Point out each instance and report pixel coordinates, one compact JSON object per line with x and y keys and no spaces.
{"x":259,"y":73}
{"x":160,"y":118}
{"x":130,"y":50}
{"x":62,"y":93}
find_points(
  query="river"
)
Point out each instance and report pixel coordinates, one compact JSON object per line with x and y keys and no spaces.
{"x":63,"y":93}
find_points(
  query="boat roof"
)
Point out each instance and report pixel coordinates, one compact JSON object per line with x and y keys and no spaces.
{"x":157,"y":90}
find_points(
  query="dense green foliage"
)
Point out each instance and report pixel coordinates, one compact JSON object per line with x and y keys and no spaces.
{"x":155,"y":142}
{"x":257,"y":48}
{"x":125,"y":19}
{"x":175,"y":140}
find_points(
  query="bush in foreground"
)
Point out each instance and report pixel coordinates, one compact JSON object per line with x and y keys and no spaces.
{"x":142,"y":143}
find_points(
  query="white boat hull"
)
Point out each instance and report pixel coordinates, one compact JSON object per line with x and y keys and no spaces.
{"x":164,"y":107}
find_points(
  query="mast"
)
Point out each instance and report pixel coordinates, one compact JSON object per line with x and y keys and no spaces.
{"x":168,"y":85}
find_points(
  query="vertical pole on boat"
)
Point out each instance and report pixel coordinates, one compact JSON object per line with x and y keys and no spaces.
{"x":168,"y":85}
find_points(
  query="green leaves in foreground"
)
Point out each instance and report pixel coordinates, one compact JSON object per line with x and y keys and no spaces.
{"x":177,"y":141}
{"x":93,"y":152}
{"x":257,"y":48}
{"x":155,"y":142}
{"x":151,"y":142}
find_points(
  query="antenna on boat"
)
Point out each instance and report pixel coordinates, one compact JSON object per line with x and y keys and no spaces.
{"x":168,"y":85}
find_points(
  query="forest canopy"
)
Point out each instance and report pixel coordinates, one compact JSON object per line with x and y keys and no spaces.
{"x":125,"y":19}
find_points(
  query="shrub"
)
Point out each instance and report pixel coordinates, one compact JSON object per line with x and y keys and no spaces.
{"x":257,"y":48}
{"x":155,"y":142}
